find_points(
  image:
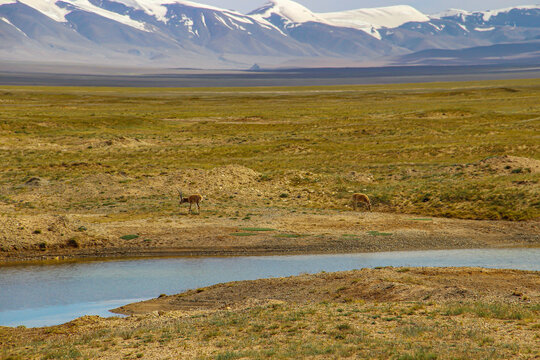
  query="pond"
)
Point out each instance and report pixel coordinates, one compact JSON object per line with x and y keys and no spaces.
{"x":44,"y":295}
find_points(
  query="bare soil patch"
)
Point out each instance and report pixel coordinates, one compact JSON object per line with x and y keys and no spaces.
{"x":376,"y":285}
{"x":505,"y":165}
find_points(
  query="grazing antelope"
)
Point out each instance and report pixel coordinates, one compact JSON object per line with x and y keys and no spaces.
{"x":191,"y":199}
{"x":360,"y":198}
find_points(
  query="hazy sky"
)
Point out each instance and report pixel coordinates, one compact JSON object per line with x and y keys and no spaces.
{"x":426,"y":6}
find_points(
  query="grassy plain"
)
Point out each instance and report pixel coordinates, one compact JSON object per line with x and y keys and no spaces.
{"x":77,"y":159}
{"x":415,"y":141}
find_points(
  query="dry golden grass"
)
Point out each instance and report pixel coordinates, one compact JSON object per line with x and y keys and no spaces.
{"x":413,"y":148}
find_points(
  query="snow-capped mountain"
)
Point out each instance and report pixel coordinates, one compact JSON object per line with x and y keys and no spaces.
{"x":457,"y":29}
{"x":186,"y":34}
{"x":401,"y":29}
{"x":180,"y":33}
{"x":323,"y":34}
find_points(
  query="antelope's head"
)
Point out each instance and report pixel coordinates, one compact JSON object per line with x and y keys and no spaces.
{"x":182,"y":198}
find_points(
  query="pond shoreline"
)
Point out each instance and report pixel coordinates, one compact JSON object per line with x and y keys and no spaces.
{"x":284,"y":234}
{"x":53,"y":259}
{"x":73,"y":289}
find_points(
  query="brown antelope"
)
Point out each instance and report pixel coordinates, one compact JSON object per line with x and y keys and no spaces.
{"x":191,"y":199}
{"x":360,"y":198}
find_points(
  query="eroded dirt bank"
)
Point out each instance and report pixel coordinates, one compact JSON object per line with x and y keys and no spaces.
{"x":379,"y":285}
{"x":265,"y":231}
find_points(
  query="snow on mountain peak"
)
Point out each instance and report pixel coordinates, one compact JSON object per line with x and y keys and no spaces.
{"x":489,"y":13}
{"x":158,"y":8}
{"x":451,"y":13}
{"x":291,"y":11}
{"x":48,"y":8}
{"x":389,"y":17}
{"x":153,"y":8}
{"x":486,"y":15}
{"x":194,"y":5}
{"x":54,"y":10}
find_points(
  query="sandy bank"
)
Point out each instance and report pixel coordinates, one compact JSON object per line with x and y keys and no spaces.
{"x":266,"y":232}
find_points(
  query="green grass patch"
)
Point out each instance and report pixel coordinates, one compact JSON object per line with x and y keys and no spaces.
{"x":129,"y":237}
{"x":257,"y":229}
{"x":244,"y":234}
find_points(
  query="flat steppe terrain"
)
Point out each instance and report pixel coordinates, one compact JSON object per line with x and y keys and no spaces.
{"x":95,"y":172}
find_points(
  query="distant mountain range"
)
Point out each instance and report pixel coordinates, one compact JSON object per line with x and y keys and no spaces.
{"x":184,"y":34}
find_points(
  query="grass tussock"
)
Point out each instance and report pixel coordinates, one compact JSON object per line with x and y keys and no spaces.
{"x":492,"y":310}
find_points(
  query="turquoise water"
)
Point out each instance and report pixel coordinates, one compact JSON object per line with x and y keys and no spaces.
{"x":44,"y":295}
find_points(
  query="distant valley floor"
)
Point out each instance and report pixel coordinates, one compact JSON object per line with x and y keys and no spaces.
{"x":62,"y":75}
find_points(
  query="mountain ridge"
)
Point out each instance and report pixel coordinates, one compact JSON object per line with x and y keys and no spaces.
{"x":190,"y":34}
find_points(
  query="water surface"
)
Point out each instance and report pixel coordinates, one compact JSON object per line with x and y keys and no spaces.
{"x":43,"y":295}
